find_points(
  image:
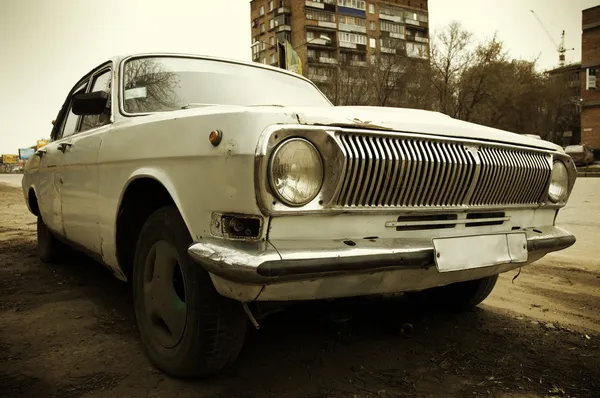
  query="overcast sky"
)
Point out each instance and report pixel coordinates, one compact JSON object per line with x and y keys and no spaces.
{"x":47,"y":45}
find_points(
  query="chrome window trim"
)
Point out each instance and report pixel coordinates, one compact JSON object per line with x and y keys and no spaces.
{"x":123,"y":61}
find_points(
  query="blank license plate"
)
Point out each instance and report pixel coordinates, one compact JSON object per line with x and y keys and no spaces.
{"x":468,"y":252}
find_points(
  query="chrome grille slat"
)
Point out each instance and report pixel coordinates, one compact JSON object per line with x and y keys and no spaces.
{"x":409,"y":187}
{"x":396,"y":171}
{"x":432,"y":198}
{"x":376,"y":195}
{"x":445,"y":179}
{"x":390,"y":162}
{"x":455,"y":173}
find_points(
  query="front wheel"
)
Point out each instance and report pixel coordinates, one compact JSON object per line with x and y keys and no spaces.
{"x":461,"y":296}
{"x":187,"y":328}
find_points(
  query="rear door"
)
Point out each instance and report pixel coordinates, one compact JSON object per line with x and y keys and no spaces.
{"x":49,"y":176}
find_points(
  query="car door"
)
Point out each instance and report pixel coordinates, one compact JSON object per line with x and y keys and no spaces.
{"x":79,"y":176}
{"x":49,"y":172}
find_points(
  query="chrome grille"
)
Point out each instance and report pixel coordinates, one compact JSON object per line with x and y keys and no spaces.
{"x":412,"y":172}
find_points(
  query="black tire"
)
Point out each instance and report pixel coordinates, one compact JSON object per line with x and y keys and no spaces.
{"x":456,"y":297}
{"x":49,"y":249}
{"x":210,"y":334}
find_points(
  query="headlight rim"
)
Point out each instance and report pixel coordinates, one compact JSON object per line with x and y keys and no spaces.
{"x":560,"y":199}
{"x":275,"y":192}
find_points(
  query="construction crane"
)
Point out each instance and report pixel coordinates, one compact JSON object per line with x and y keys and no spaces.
{"x":560,"y":47}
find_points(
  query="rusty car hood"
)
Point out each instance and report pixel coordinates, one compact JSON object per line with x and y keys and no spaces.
{"x":411,"y":121}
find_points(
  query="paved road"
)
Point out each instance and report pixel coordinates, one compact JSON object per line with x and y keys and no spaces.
{"x":13,"y":180}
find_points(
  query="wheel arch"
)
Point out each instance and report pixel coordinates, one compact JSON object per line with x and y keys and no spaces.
{"x":146,"y":191}
{"x":32,"y":201}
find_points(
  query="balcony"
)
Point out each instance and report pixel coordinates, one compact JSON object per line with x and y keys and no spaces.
{"x":388,"y":50}
{"x":358,"y":63}
{"x":352,"y":28}
{"x":321,"y":24}
{"x":400,"y":36}
{"x":283,"y":10}
{"x":415,"y":24}
{"x":283,"y":28}
{"x":418,"y":39}
{"x":392,"y":18}
{"x":314,"y":4}
{"x":318,"y":78}
{"x":326,"y":60}
{"x":319,"y":42}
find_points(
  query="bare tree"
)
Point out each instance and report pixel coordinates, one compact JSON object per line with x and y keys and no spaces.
{"x":159,"y":84}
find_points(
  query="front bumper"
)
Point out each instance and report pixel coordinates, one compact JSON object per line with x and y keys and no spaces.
{"x":300,"y":270}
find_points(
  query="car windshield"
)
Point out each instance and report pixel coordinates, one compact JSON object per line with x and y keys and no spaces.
{"x":159,"y":84}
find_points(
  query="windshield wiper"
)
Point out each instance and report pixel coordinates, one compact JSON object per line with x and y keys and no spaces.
{"x":196,"y":105}
{"x":277,"y":105}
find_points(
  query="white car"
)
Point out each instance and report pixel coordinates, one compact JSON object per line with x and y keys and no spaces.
{"x":213,"y":184}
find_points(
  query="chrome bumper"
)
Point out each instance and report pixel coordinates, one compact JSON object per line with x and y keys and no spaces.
{"x":268,"y":262}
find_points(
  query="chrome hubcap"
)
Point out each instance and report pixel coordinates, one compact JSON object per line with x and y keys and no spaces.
{"x":164,"y":294}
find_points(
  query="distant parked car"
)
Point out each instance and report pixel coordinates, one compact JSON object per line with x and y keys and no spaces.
{"x":215,"y":186}
{"x":582,"y":155}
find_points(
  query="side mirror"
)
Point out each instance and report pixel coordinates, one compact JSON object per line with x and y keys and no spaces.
{"x":89,"y":103}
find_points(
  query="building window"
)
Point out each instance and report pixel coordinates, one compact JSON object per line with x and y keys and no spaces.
{"x":590,"y":79}
{"x":352,"y":38}
{"x":371,"y":8}
{"x":352,"y":20}
{"x":312,"y":54}
{"x":390,"y":10}
{"x":327,"y":72}
{"x":262,"y":28}
{"x":372,"y":43}
{"x":271,"y":5}
{"x":345,"y":57}
{"x":284,"y":36}
{"x":372,"y":25}
{"x":263,"y":46}
{"x":272,"y":40}
{"x":373,"y":59}
{"x":271,"y":24}
{"x":416,"y":50}
{"x":391,"y":27}
{"x":392,"y":43}
{"x":416,"y":16}
{"x":273,"y":58}
{"x":358,"y":4}
{"x":261,"y":11}
{"x":320,"y":16}
{"x":264,"y":61}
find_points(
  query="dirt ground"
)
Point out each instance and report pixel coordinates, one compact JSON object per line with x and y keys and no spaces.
{"x":69,"y":331}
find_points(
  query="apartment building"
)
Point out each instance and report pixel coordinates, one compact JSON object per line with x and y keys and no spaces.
{"x":327,"y":34}
{"x":590,"y":87}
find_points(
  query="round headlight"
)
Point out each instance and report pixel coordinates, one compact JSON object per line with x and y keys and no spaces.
{"x":296,"y":172}
{"x":559,"y":182}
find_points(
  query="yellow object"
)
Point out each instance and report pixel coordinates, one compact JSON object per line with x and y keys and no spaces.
{"x":10,"y":159}
{"x":292,"y":60}
{"x":41,"y":143}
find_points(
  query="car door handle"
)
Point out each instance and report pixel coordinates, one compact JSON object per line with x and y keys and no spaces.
{"x":41,"y":152}
{"x":63,"y":146}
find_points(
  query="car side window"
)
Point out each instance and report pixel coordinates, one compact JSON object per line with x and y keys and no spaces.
{"x":71,"y":121}
{"x":101,"y":82}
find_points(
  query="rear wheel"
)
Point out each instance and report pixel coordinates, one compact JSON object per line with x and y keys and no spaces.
{"x":187,"y":328}
{"x":49,"y":249}
{"x":461,"y":296}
